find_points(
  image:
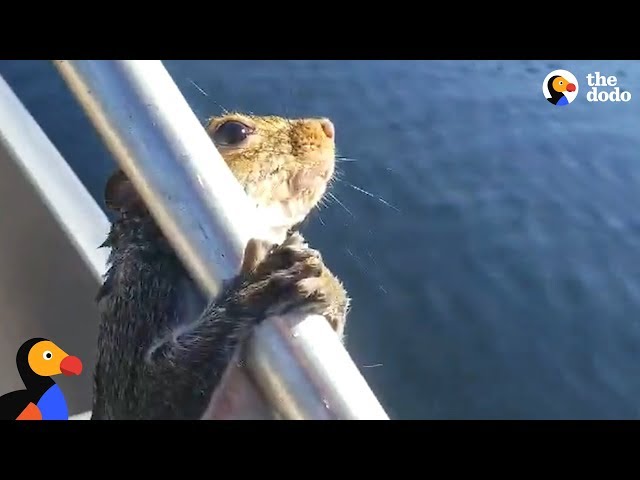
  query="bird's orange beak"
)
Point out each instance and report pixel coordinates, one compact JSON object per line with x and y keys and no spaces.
{"x":71,"y":366}
{"x":571,"y":87}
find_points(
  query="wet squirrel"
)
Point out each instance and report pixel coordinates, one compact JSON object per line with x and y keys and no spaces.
{"x":162,"y":347}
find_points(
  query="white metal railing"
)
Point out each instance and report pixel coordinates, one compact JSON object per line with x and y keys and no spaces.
{"x":55,"y":183}
{"x":43,"y":166}
{"x":299,"y":366}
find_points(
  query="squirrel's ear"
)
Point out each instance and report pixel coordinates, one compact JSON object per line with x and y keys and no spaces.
{"x":120,"y":194}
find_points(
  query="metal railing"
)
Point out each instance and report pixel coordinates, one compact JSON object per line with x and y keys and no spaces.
{"x":296,"y":368}
{"x":50,"y":263}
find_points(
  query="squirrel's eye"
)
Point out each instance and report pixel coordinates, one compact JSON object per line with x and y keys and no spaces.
{"x":231,"y":133}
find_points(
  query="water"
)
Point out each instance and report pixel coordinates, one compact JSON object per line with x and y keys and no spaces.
{"x":500,"y":276}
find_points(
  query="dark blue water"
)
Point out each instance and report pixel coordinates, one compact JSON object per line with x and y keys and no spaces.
{"x":504,"y":279}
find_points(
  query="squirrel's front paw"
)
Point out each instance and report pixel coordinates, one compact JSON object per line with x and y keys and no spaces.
{"x":291,"y":277}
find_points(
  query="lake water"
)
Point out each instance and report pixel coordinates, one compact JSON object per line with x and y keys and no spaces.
{"x":494,"y":260}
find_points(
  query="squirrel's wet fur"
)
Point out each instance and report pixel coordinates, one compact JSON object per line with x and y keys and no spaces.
{"x":162,"y":347}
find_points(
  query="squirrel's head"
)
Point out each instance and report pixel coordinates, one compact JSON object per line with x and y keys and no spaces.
{"x":284,"y":165}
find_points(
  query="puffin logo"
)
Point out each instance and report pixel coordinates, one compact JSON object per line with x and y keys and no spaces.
{"x":560,"y":87}
{"x":39,"y":359}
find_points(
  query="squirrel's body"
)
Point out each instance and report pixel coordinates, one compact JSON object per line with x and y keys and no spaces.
{"x":162,"y":347}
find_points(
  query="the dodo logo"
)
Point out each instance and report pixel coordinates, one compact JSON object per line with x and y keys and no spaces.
{"x":560,"y":87}
{"x":39,"y":359}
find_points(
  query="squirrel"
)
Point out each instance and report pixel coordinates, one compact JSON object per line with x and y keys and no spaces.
{"x":162,"y":346}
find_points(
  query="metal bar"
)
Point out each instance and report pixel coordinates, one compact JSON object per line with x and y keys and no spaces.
{"x":74,"y":210}
{"x":162,"y":147}
{"x":82,"y":220}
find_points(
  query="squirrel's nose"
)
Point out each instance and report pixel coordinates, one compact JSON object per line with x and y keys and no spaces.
{"x":327,"y":127}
